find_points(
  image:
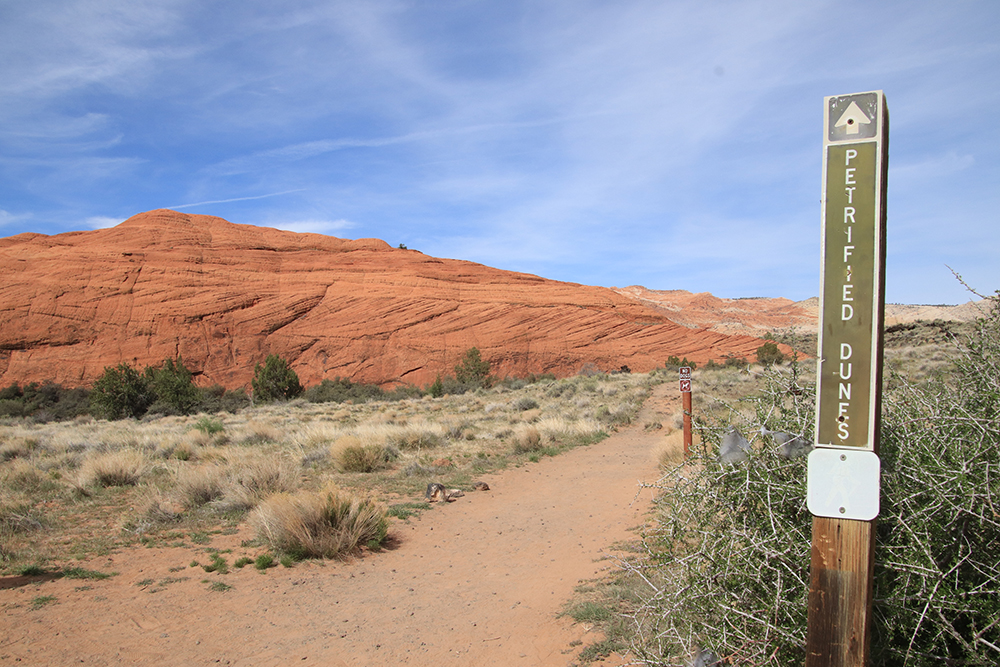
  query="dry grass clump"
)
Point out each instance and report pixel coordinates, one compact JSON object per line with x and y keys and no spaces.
{"x":124,"y":467}
{"x":17,"y":522}
{"x":17,"y":448}
{"x":199,"y":486}
{"x":259,"y":433}
{"x":22,"y":476}
{"x":183,"y":448}
{"x":251,"y":481}
{"x":350,"y":455}
{"x":527,"y":440}
{"x":152,"y":510}
{"x":323,"y":524}
{"x":669,"y":452}
{"x":568,"y":430}
{"x":415,"y":436}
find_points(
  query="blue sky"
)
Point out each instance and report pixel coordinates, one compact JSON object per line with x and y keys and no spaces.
{"x":670,"y":144}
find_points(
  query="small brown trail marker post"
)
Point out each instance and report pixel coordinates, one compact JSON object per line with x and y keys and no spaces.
{"x":686,"y":394}
{"x":843,"y":476}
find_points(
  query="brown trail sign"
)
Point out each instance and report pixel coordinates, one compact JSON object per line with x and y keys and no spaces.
{"x":685,"y":373}
{"x":843,"y":477}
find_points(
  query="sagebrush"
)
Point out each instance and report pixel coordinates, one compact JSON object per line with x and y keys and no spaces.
{"x":726,"y":567}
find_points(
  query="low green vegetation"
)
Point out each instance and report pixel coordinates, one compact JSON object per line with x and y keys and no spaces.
{"x":768,"y":354}
{"x":275,"y":381}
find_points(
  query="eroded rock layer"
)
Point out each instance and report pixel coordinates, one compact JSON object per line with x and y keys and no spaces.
{"x":222,"y":296}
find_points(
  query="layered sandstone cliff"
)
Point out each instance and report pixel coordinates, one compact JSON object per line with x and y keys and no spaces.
{"x":222,"y":296}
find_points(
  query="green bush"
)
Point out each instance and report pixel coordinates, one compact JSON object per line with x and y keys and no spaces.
{"x":45,"y":402}
{"x":472,"y":369}
{"x":735,"y":362}
{"x":768,"y":354}
{"x":217,"y":399}
{"x":121,"y":392}
{"x":673,"y":363}
{"x":341,"y":390}
{"x":209,"y":426}
{"x":728,"y":563}
{"x":175,"y":392}
{"x":274,"y":381}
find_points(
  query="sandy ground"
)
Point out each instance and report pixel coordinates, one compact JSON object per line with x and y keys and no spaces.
{"x":478,"y":581}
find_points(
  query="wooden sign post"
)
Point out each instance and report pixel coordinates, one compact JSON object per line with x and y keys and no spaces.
{"x":686,"y":394}
{"x":843,"y":477}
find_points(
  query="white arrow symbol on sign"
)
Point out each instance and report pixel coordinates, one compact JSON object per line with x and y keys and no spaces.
{"x":853,"y":118}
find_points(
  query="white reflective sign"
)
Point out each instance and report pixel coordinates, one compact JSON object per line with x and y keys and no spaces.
{"x":843,"y":483}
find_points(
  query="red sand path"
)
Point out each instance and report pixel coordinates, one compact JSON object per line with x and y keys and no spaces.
{"x":477,"y":581}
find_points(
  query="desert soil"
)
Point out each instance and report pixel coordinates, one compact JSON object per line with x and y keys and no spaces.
{"x":478,"y":581}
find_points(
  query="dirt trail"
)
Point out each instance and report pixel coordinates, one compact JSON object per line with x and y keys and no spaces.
{"x":477,"y":581}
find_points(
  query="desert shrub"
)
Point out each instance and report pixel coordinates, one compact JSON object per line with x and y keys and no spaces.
{"x":12,"y":407}
{"x":17,"y":448}
{"x":121,"y":392}
{"x":525,"y":403}
{"x":728,"y":565}
{"x":564,"y":389}
{"x":209,"y":426}
{"x":472,"y":369}
{"x":363,"y":458}
{"x":436,"y":389}
{"x":152,"y":510}
{"x":259,"y":433}
{"x":527,"y":440}
{"x":172,"y":386}
{"x":326,"y":524}
{"x":415,"y":437}
{"x":768,"y":354}
{"x":340,"y":390}
{"x":184,"y":450}
{"x":274,"y":381}
{"x":124,"y":467}
{"x":199,"y":486}
{"x":620,"y":415}
{"x":673,"y":363}
{"x":217,"y":399}
{"x":732,"y":361}
{"x":23,"y":476}
{"x":250,"y":482}
{"x":45,"y":402}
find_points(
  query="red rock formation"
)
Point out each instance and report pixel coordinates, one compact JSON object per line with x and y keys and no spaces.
{"x":223,"y":296}
{"x":753,"y":317}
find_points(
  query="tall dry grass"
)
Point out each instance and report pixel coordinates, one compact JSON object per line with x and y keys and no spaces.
{"x":124,"y":467}
{"x":320,"y":524}
{"x":172,"y":470}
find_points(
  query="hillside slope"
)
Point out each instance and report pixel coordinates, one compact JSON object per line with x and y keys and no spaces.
{"x":223,"y":296}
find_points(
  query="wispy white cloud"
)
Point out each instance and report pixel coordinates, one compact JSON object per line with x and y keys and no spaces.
{"x":236,"y":199}
{"x":8,"y":219}
{"x":584,"y":140}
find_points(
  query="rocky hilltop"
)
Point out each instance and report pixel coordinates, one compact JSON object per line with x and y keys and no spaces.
{"x":223,"y":296}
{"x":757,"y":316}
{"x":753,"y":316}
